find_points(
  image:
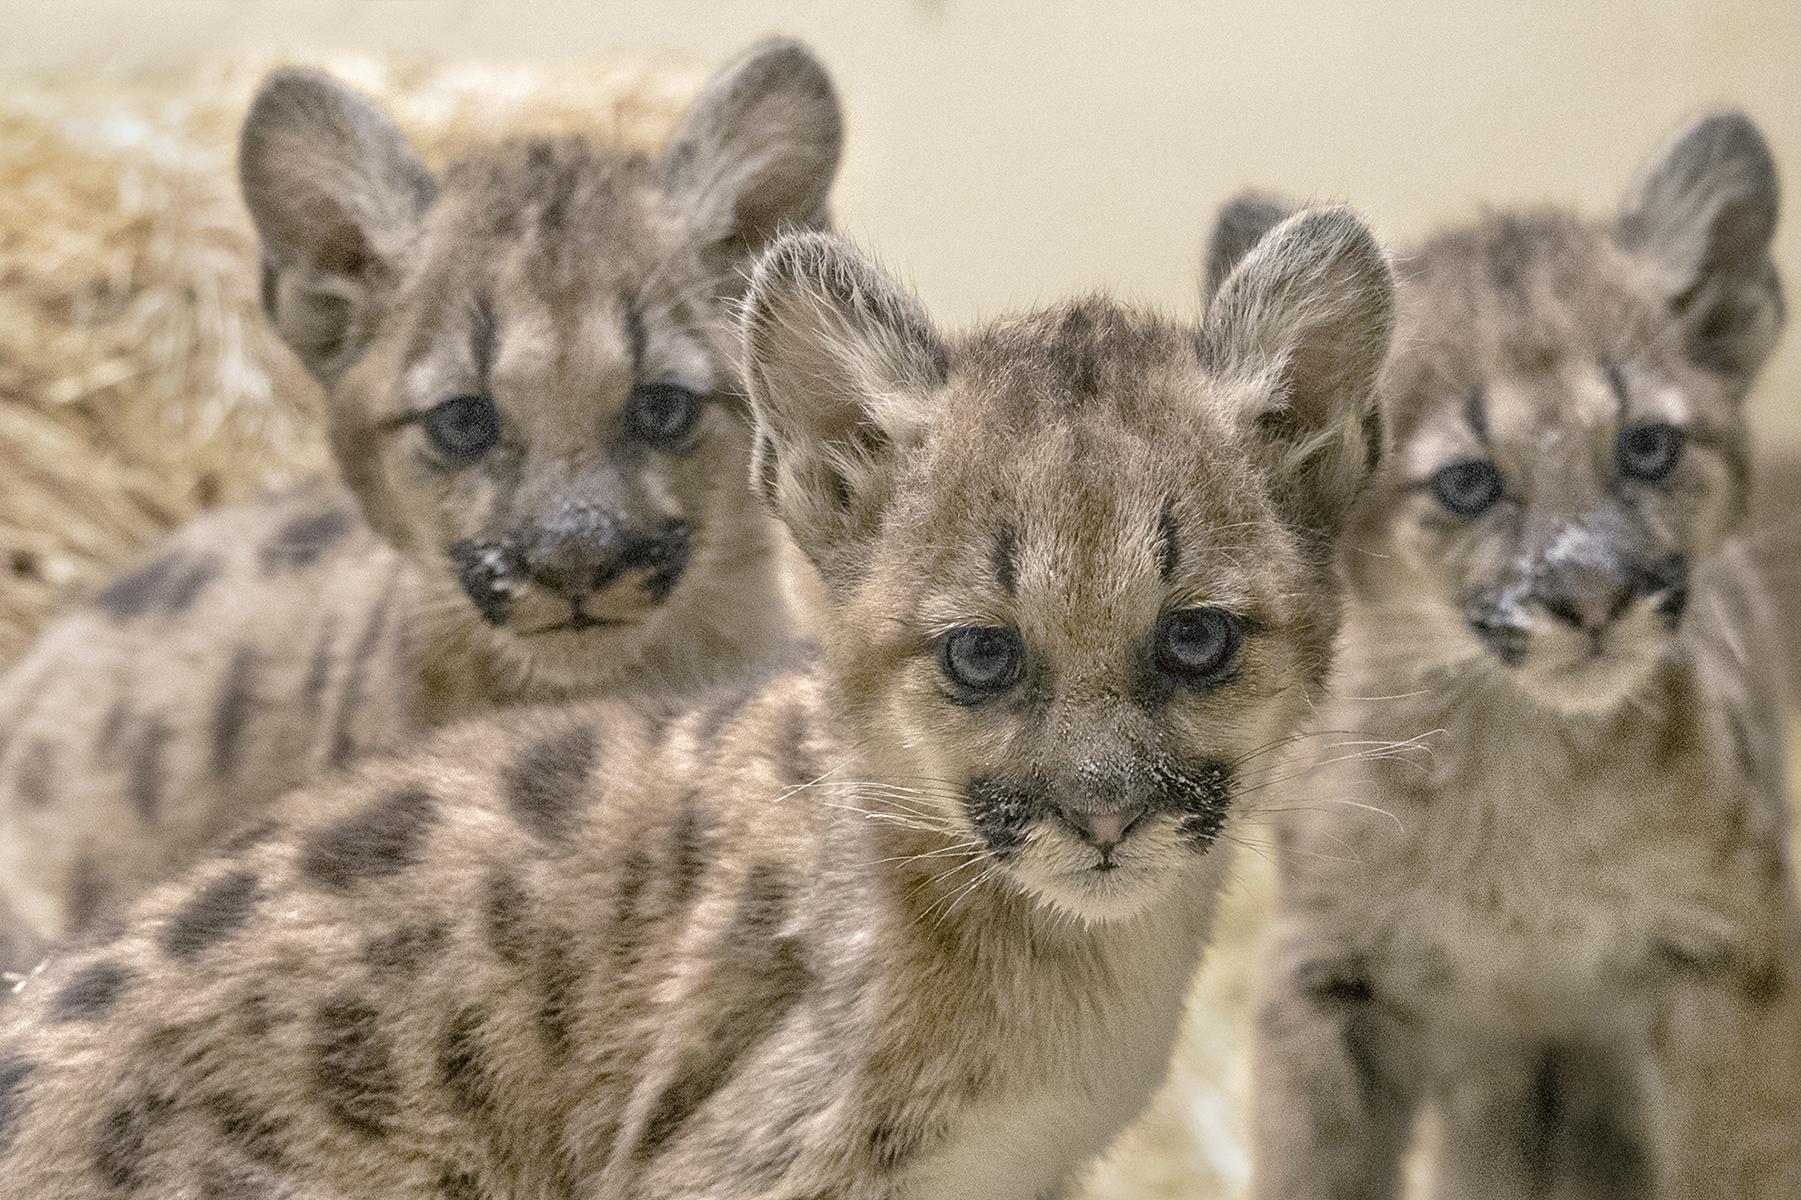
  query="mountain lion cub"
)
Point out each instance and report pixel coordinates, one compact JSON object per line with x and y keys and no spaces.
{"x":535,"y":402}
{"x":917,"y":922}
{"x":1573,"y":933}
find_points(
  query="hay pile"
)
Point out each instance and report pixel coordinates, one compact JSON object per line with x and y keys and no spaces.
{"x":138,"y":381}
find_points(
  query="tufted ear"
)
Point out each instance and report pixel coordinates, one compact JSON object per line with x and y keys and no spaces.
{"x":1240,"y":225}
{"x":841,"y":364}
{"x":758,"y":150}
{"x":336,"y":194}
{"x":1701,"y":221}
{"x":1300,"y":330}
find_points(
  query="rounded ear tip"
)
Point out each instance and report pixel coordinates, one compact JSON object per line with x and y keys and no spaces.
{"x":789,"y":64}
{"x":796,"y":254}
{"x":1335,"y":233}
{"x":786,"y":54}
{"x":288,"y":85}
{"x":1730,"y":126}
{"x":1253,"y":200}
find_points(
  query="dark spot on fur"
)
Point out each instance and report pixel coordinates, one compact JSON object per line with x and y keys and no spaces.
{"x":231,"y":714}
{"x":1342,"y":988}
{"x":503,"y":910}
{"x":234,"y":1181}
{"x":688,"y":859}
{"x":1000,"y":814}
{"x":763,"y":975}
{"x":1363,"y":1048}
{"x":1004,"y":559}
{"x":1475,"y":412}
{"x":257,"y":1135}
{"x":187,"y":586}
{"x":257,"y":1016}
{"x":124,"y":1139}
{"x":460,"y":1185}
{"x":148,"y":772}
{"x":1169,"y":546}
{"x":406,"y":949}
{"x":32,"y":777}
{"x":636,"y":869}
{"x":107,"y":746}
{"x":1761,"y":981}
{"x":1544,"y":1107}
{"x":546,"y":784}
{"x":558,"y":976}
{"x":210,"y":915}
{"x":14,"y":1071}
{"x":383,"y":839}
{"x":90,"y":992}
{"x":894,"y":1143}
{"x":720,"y":713}
{"x":169,"y":584}
{"x":462,"y":1062}
{"x":362,"y":656}
{"x":798,"y":766}
{"x":353,"y":1066}
{"x":300,"y":542}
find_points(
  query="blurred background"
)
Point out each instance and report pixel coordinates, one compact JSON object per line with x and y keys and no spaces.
{"x":1001,"y":152}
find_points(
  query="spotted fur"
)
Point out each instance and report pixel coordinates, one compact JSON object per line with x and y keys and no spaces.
{"x":1570,"y":926}
{"x":263,"y":645}
{"x":764,"y":943}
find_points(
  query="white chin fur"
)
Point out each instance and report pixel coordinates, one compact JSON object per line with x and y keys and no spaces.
{"x":1060,"y":878}
{"x":1564,"y":672}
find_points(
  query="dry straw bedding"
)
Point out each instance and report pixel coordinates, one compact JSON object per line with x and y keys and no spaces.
{"x":139,"y":385}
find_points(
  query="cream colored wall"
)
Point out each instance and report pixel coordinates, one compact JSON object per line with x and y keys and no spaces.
{"x":1010,"y":150}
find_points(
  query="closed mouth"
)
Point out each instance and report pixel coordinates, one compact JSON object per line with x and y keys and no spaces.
{"x":576,"y":623}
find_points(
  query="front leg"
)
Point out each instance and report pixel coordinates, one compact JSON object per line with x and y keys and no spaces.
{"x":1724,"y":1070}
{"x":1336,"y":1086}
{"x":1542,"y":1122}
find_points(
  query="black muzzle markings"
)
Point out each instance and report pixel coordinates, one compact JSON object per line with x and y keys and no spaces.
{"x":1199,"y":796}
{"x":572,"y":560}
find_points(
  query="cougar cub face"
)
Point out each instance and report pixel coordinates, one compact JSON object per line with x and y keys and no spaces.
{"x":532,"y":376}
{"x":1570,"y":442}
{"x":1068,"y":646}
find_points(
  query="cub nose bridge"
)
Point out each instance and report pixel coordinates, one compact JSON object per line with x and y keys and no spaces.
{"x":573,"y":547}
{"x":1589,"y":573}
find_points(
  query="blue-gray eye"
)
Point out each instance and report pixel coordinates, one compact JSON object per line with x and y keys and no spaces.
{"x":1468,"y":488}
{"x":981,"y":660}
{"x":662,"y":414}
{"x":1198,"y":647}
{"x":1648,"y":452}
{"x":463,"y":428}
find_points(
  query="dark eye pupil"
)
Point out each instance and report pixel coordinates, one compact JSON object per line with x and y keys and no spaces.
{"x":463,"y":427}
{"x":1198,"y":645}
{"x":1467,"y":488}
{"x":1649,"y":451}
{"x":663,"y":413}
{"x":983,"y":659}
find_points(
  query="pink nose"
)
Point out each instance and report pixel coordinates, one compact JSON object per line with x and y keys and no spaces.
{"x":1106,"y":829}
